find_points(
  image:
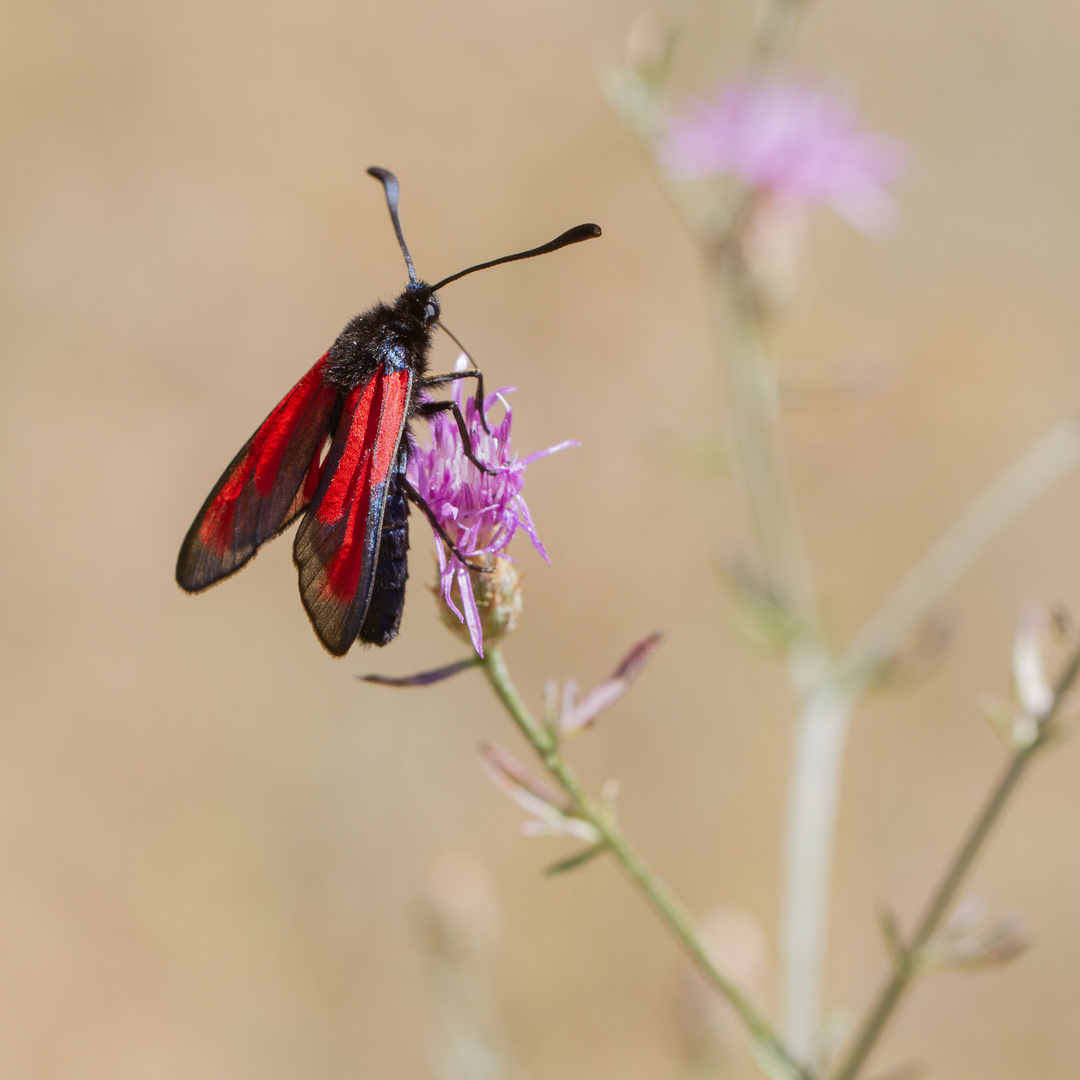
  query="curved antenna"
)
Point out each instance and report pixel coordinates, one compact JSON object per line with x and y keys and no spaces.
{"x":571,"y":236}
{"x":390,"y":186}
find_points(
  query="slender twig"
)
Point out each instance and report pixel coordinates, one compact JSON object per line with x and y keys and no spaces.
{"x":656,"y":893}
{"x":1053,"y":456}
{"x":908,"y":965}
{"x":754,"y":447}
{"x":752,"y":400}
{"x":824,"y":705}
{"x":809,"y":827}
{"x":637,"y":104}
{"x":775,"y":25}
{"x":828,"y":690}
{"x":752,"y":409}
{"x":825,"y":717}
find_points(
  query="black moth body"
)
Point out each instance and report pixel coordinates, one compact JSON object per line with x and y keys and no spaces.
{"x":335,"y":451}
{"x":374,"y":338}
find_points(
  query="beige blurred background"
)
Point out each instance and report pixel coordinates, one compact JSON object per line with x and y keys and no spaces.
{"x":213,"y":839}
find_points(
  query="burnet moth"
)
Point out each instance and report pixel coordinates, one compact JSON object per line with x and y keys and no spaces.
{"x":335,"y":450}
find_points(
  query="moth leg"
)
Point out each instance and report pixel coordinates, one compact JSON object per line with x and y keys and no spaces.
{"x":431,"y":408}
{"x":414,"y":496}
{"x":472,"y":373}
{"x":475,"y":367}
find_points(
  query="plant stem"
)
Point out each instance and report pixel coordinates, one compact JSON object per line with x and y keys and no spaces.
{"x":752,"y":414}
{"x":821,"y":735}
{"x":775,"y":25}
{"x":828,"y":690}
{"x":1054,"y":455}
{"x":908,"y":966}
{"x":670,"y":911}
{"x":813,"y":795}
{"x":825,"y":707}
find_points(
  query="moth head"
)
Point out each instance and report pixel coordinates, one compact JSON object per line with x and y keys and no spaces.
{"x":419,"y":302}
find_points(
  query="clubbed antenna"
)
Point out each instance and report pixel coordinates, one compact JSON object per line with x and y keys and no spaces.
{"x":571,"y":236}
{"x":390,"y":186}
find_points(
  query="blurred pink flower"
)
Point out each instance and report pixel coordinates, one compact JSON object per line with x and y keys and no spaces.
{"x":795,"y":142}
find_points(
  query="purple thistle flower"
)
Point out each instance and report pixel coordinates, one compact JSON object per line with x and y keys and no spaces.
{"x":481,"y":513}
{"x":797,"y":143}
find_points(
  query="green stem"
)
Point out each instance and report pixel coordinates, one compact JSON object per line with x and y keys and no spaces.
{"x":825,"y":707}
{"x":776,"y":24}
{"x":908,"y":967}
{"x":753,"y":428}
{"x":656,"y":893}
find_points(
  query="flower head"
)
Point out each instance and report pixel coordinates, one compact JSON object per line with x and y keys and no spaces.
{"x":480,"y":512}
{"x":794,"y":143}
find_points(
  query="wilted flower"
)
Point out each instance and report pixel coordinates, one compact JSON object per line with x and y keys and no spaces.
{"x":551,"y":814}
{"x":569,"y":716}
{"x":796,"y":144}
{"x":1034,"y":692}
{"x":963,"y":942}
{"x":480,"y":512}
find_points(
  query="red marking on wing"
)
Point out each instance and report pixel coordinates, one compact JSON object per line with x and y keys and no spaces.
{"x":261,"y":460}
{"x":265,"y":486}
{"x":337,"y":544}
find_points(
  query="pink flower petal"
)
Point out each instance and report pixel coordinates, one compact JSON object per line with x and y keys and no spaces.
{"x":796,"y":141}
{"x":472,"y":614}
{"x":480,"y":512}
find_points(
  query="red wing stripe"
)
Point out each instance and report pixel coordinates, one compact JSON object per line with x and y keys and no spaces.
{"x":266,"y":485}
{"x":263,"y":459}
{"x":337,"y":545}
{"x":357,"y":489}
{"x":356,"y":453}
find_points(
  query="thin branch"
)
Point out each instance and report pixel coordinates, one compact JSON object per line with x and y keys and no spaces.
{"x":828,"y":692}
{"x":752,"y":410}
{"x":655,"y":892}
{"x":809,"y":829}
{"x":825,"y":717}
{"x":878,"y":1016}
{"x":641,"y":110}
{"x":1051,"y":458}
{"x":776,"y":23}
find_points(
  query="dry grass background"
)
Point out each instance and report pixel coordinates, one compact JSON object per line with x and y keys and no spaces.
{"x":212,"y":838}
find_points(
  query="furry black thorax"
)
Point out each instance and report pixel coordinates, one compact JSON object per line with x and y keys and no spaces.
{"x":398,"y":335}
